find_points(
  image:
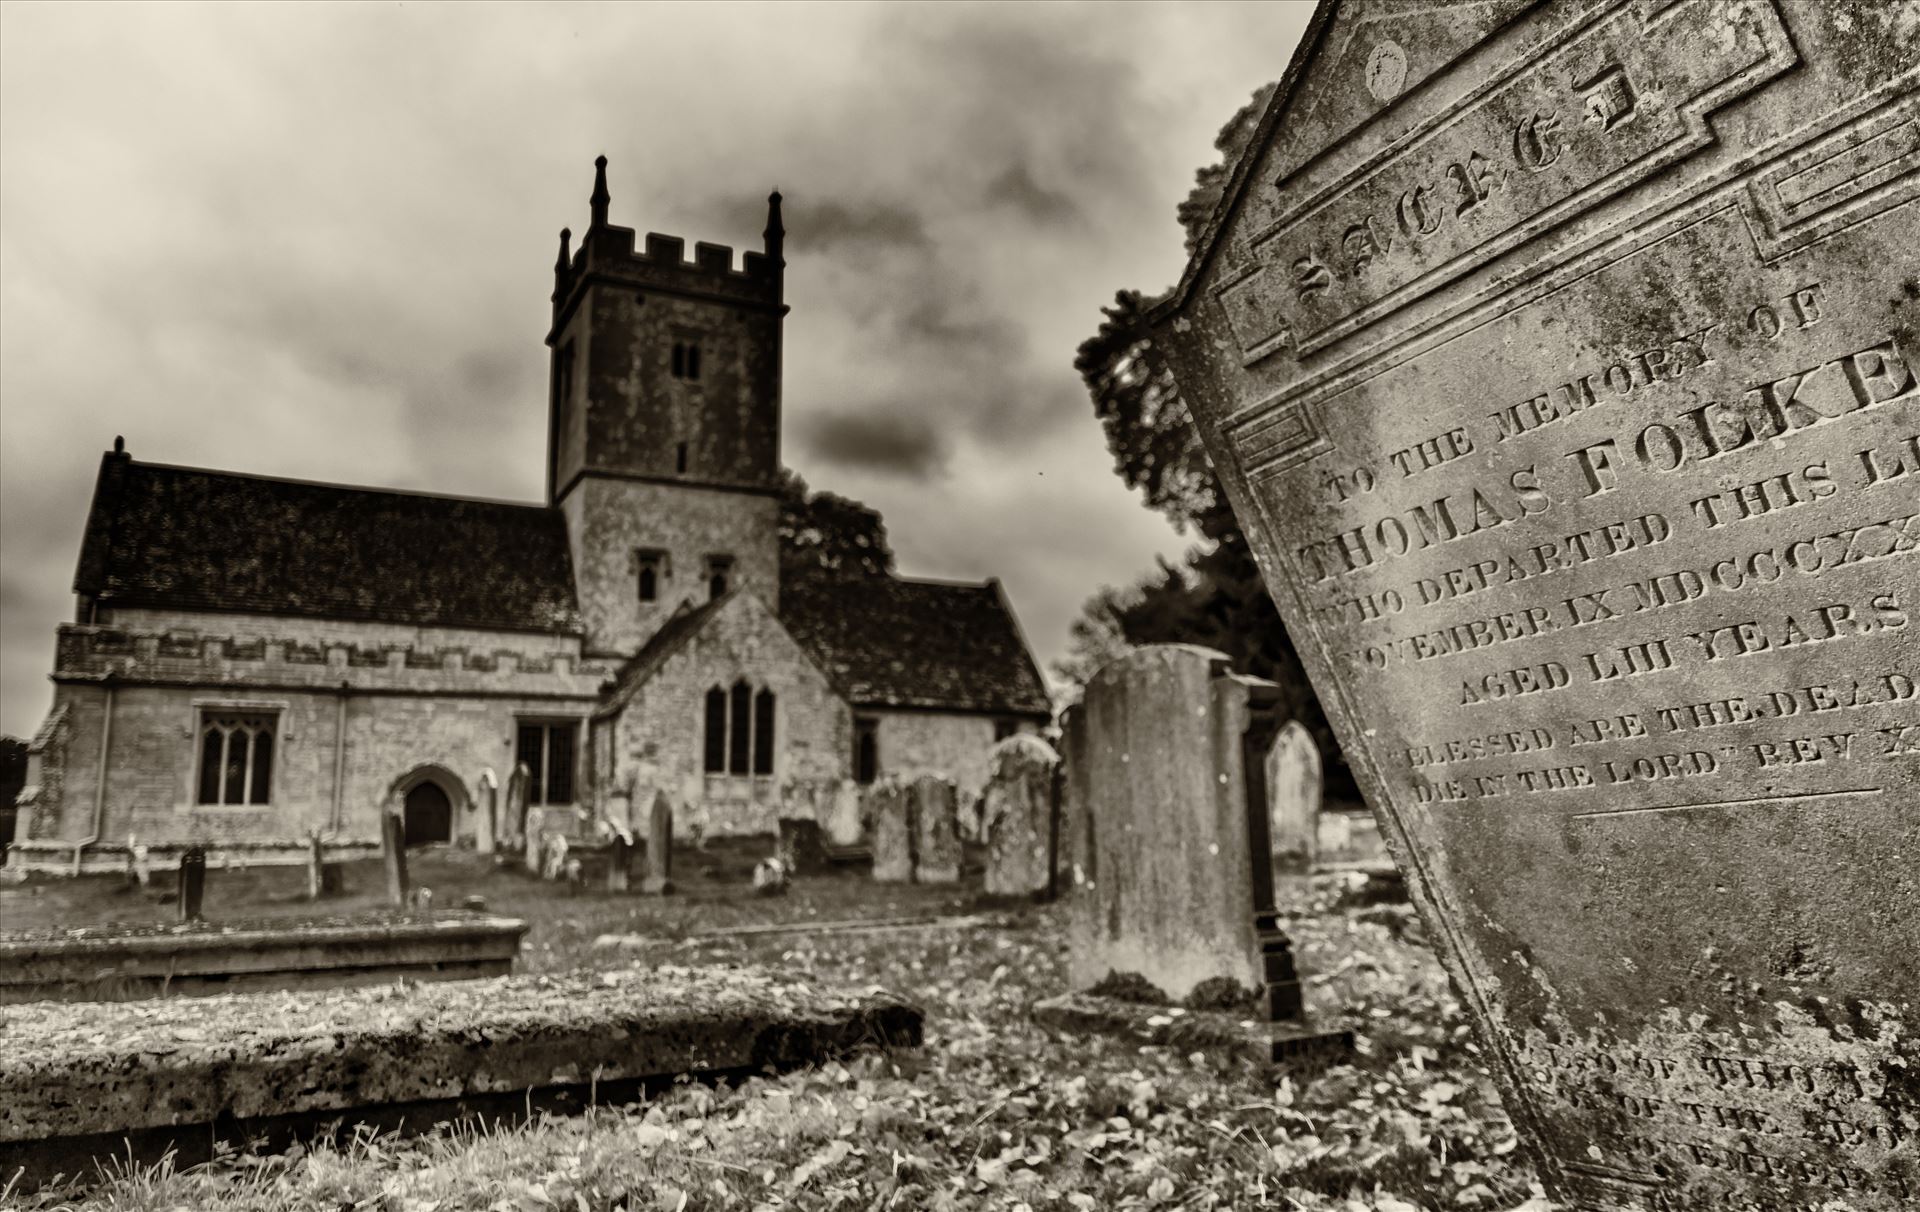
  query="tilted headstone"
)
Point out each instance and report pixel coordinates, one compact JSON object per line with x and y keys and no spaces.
{"x":890,"y":809}
{"x":1560,"y":366}
{"x":393,"y":845}
{"x":193,"y":883}
{"x":1017,"y":816}
{"x":1293,"y":789}
{"x":936,"y":830}
{"x":845,"y":822}
{"x":659,"y":877}
{"x":1167,"y":877}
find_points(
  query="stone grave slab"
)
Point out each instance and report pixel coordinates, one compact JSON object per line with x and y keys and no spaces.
{"x":1560,"y":364}
{"x":198,"y":959}
{"x":88,"y":1081}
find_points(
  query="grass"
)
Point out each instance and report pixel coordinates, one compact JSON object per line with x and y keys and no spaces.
{"x":994,"y":1112}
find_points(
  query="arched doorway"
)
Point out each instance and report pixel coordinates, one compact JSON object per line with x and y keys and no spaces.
{"x":429,"y":814}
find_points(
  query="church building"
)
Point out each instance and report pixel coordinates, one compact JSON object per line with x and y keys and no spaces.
{"x":253,"y":660}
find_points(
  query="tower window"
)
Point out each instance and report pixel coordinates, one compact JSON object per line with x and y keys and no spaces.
{"x":719,"y":575}
{"x":653,"y":570}
{"x":685,"y":362}
{"x":680,"y":459}
{"x":866,"y":749}
{"x":236,"y":758}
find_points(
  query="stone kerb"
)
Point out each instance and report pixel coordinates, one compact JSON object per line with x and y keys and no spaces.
{"x":1017,"y":817}
{"x":1164,"y":884}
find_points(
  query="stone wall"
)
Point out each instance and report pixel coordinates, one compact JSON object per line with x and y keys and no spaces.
{"x":610,"y":521}
{"x":367,"y":700}
{"x":954,"y":744}
{"x":661,"y":734}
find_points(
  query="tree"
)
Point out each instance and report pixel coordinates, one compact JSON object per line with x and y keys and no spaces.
{"x":1216,"y":598}
{"x":827,"y":536}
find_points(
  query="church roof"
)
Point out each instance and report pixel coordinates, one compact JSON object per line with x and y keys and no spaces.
{"x":192,"y":539}
{"x":671,"y":638}
{"x":892,"y":642}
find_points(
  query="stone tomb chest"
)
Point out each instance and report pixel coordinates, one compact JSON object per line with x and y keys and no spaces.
{"x":1560,"y":361}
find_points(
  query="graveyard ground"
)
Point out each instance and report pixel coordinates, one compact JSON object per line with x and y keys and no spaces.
{"x":994,"y":1112}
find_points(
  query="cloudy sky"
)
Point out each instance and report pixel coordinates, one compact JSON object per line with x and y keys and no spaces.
{"x":317,"y":241}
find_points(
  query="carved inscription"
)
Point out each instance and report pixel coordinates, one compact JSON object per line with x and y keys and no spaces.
{"x":1557,"y":136}
{"x":1470,"y":583}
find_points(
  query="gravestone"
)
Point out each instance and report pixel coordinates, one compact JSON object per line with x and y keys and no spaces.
{"x":890,"y":810}
{"x":519,"y":802}
{"x":659,"y":878}
{"x":486,"y":805}
{"x":936,"y":830}
{"x":1017,"y":816}
{"x":393,"y":845}
{"x":1165,"y":873}
{"x":845,"y":823}
{"x":553,"y":855}
{"x":1293,"y":789}
{"x":1560,"y":366}
{"x":139,"y":866}
{"x":619,"y":863}
{"x":193,"y":883}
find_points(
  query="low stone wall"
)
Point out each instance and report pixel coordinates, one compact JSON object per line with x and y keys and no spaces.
{"x":202,"y":958}
{"x":104,"y":1079}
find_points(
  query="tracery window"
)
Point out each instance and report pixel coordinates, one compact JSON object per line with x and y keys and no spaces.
{"x":686,"y":361}
{"x":548,"y":751}
{"x":236,"y":757}
{"x":739,"y":730}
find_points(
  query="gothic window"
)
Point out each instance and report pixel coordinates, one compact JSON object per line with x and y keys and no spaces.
{"x":653,"y":570}
{"x":236,"y":757}
{"x":866,"y":749}
{"x":719,"y":575}
{"x":1004,"y":728}
{"x":680,"y":459}
{"x":716,"y":731}
{"x":548,"y":751}
{"x":740,"y":730}
{"x":763,"y":732}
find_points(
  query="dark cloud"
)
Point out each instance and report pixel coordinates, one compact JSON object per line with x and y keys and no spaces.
{"x":874,"y":438}
{"x":1016,"y":188}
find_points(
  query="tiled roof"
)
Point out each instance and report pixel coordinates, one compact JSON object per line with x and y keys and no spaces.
{"x":889,"y":642}
{"x":209,"y":540}
{"x":671,"y":638}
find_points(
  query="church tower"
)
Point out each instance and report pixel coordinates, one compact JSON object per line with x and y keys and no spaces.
{"x":663,"y":436}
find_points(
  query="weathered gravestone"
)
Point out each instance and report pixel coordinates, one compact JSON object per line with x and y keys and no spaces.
{"x":486,"y":805}
{"x":316,"y":865}
{"x":1560,"y":367}
{"x":1017,"y":816}
{"x":1293,"y":793}
{"x":801,"y":849}
{"x":936,"y":830}
{"x":659,"y":878}
{"x":519,"y":803}
{"x":845,"y":823}
{"x":1172,"y":870}
{"x":890,"y":808}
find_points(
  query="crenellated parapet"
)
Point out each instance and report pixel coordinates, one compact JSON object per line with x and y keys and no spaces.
{"x":90,"y":652}
{"x":610,"y":254}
